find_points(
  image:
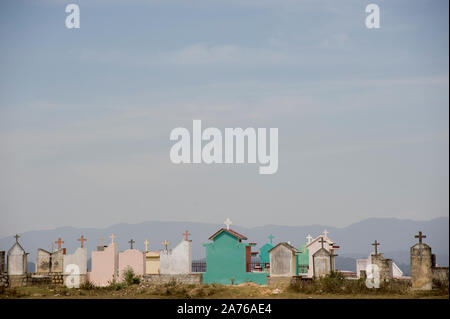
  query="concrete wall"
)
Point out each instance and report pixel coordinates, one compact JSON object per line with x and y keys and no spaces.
{"x":4,"y":282}
{"x":131,"y":258}
{"x":281,"y":262}
{"x":440,"y":277}
{"x":191,"y":279}
{"x":79,"y":258}
{"x":177,"y":260}
{"x":283,"y":282}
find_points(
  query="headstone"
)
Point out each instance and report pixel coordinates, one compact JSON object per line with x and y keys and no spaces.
{"x":228,"y":259}
{"x":421,"y":265}
{"x":104,"y":265}
{"x":177,"y":260}
{"x":283,"y":261}
{"x":131,"y":258}
{"x":17,"y":259}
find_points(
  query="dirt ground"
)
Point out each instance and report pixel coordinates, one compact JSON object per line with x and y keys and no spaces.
{"x":204,"y":291}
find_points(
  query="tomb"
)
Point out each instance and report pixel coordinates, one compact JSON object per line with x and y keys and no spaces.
{"x":314,"y":245}
{"x":17,"y":259}
{"x":177,"y":260}
{"x":323,"y":261}
{"x":264,"y":256}
{"x":228,"y":259}
{"x":425,"y":275}
{"x":387,"y":267}
{"x":75,"y":265}
{"x":283,"y":260}
{"x":43,"y":261}
{"x":152,"y":260}
{"x":131,"y":259}
{"x":104,"y":265}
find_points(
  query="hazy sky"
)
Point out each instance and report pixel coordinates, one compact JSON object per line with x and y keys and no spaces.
{"x":85,"y":114}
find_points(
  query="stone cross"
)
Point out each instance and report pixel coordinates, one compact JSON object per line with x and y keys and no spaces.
{"x":376,"y":244}
{"x":59,"y":242}
{"x":101,"y":241}
{"x":309,"y":238}
{"x":165,"y":243}
{"x":112,"y":238}
{"x":321,"y":241}
{"x":146,"y":242}
{"x":420,"y":236}
{"x":186,"y":235}
{"x":131,"y":242}
{"x":325,"y":232}
{"x":228,"y":222}
{"x":82,"y":240}
{"x":271,"y":237}
{"x":17,"y":238}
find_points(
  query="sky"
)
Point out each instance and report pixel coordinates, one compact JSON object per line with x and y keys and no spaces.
{"x":86,"y":114}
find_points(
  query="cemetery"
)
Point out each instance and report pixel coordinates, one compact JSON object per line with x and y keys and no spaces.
{"x":232,"y":266}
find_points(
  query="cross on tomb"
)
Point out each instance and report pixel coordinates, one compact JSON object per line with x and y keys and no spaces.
{"x":376,"y":244}
{"x":82,"y":240}
{"x":165,"y":243}
{"x":146,"y":242}
{"x":186,"y":234}
{"x":309,"y":238}
{"x":228,"y":222}
{"x":112,"y":238}
{"x":321,"y":241}
{"x":325,"y":232}
{"x":59,"y":242}
{"x":271,"y":237}
{"x":131,"y":242}
{"x":17,"y":238}
{"x":420,"y":236}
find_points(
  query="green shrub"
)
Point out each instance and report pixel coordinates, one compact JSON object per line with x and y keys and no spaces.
{"x":130,"y":277}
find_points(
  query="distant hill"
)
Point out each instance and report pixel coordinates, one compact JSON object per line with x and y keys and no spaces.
{"x":396,"y":237}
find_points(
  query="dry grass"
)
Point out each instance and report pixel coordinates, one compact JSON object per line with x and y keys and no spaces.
{"x":175,"y":291}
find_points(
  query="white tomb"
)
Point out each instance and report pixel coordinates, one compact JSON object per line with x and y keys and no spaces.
{"x":315,"y":245}
{"x":177,"y":260}
{"x":17,"y":259}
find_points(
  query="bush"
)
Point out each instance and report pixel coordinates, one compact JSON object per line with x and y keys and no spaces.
{"x":130,"y":277}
